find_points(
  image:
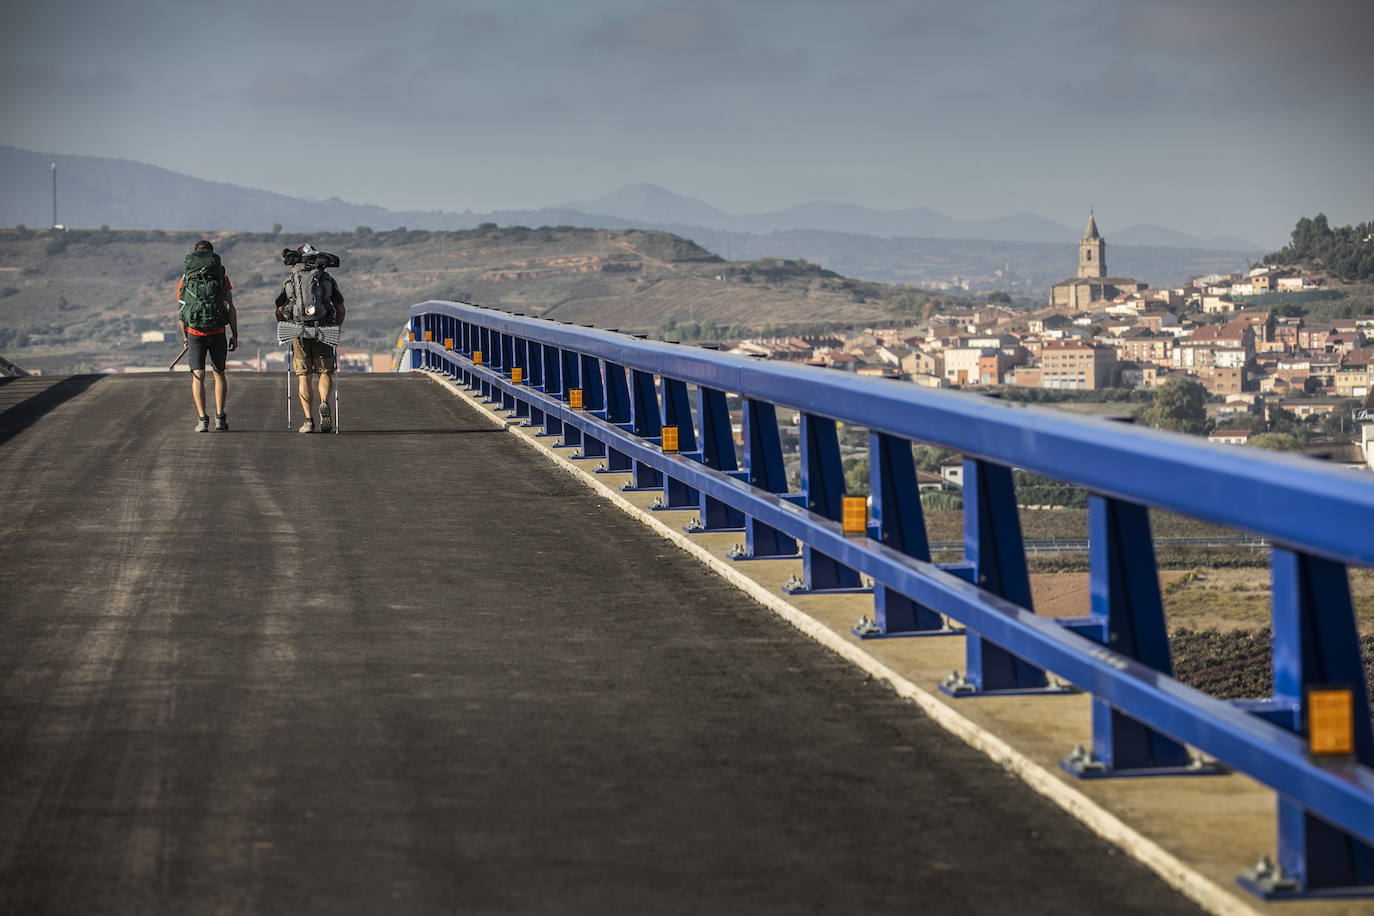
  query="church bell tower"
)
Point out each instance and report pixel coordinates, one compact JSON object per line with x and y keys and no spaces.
{"x":1092,"y":252}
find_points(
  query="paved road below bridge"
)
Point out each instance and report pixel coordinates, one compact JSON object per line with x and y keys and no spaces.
{"x":416,"y":669}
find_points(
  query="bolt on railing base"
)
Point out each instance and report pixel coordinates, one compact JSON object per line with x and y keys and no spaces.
{"x":795,"y":586}
{"x":1084,"y":764}
{"x":740,"y":552}
{"x":870,"y":629}
{"x":1268,"y":880}
{"x":694,"y":526}
{"x":958,"y":686}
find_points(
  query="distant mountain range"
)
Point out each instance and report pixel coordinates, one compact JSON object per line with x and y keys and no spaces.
{"x":651,"y":205}
{"x":121,"y":194}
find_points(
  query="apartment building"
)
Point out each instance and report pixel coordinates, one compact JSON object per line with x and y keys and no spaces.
{"x":1076,"y":364}
{"x":1139,"y":349}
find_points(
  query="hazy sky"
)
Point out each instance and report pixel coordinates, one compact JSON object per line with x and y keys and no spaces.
{"x":1208,"y":116}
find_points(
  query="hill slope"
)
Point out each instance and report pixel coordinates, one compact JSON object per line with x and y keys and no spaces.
{"x":78,"y":299}
{"x":1022,"y":254}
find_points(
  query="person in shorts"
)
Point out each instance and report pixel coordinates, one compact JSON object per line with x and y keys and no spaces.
{"x":210,"y":343}
{"x":313,"y":361}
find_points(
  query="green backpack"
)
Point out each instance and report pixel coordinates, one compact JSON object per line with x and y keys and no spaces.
{"x":204,"y":304}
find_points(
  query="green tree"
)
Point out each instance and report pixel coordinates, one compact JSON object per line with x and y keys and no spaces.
{"x":1285,"y":421}
{"x":1252,"y":422}
{"x":1180,"y":404}
{"x":1346,"y":252}
{"x":856,"y":476}
{"x":928,"y":457}
{"x":1277,"y":442}
{"x":1337,"y":423}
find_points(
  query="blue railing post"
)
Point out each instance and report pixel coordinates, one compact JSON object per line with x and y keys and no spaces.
{"x":593,"y":402}
{"x":417,"y":332}
{"x":994,"y":548}
{"x":508,"y":348}
{"x":572,"y":378}
{"x":822,"y":483}
{"x":717,"y":451}
{"x":453,"y":368}
{"x":677,"y":413}
{"x":1317,"y":644}
{"x":763,"y":460}
{"x":484,"y":343}
{"x":900,"y":523}
{"x":618,"y":412}
{"x":534,"y":364}
{"x":1127,"y":615}
{"x":551,"y":376}
{"x":646,"y":423}
{"x":523,"y":408}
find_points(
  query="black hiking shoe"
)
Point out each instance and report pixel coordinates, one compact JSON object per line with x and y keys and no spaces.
{"x":203,"y":425}
{"x":326,"y":419}
{"x":221,"y":423}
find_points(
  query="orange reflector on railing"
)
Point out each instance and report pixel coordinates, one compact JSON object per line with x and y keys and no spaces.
{"x":855,"y":516}
{"x":575,"y":398}
{"x":477,"y":357}
{"x":1330,"y":721}
{"x":669,"y":439}
{"x":429,"y":336}
{"x":448,"y":343}
{"x":412,"y":335}
{"x":517,"y":375}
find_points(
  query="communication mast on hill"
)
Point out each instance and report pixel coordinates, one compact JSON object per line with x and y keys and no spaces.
{"x":54,"y":196}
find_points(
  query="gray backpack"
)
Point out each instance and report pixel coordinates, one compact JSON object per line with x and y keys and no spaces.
{"x":310,"y":296}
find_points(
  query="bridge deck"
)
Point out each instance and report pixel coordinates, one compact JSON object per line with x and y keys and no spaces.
{"x":416,"y":668}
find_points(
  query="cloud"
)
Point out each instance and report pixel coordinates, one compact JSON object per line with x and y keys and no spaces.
{"x":708,"y":42}
{"x":50,"y":81}
{"x":675,"y":30}
{"x":1264,"y":52}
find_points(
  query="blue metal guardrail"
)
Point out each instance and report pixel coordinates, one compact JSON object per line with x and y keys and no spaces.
{"x":1318,"y":519}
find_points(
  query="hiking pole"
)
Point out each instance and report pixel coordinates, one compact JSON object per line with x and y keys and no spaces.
{"x":184,"y":347}
{"x":288,"y":388}
{"x":338,"y":374}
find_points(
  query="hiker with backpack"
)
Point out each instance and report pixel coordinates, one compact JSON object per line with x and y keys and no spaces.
{"x":205,"y":309}
{"x":311,"y":298}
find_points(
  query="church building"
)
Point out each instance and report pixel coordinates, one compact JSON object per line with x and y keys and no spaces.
{"x":1092,"y":283}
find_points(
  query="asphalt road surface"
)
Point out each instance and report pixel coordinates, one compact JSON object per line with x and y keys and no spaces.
{"x":414,"y":668}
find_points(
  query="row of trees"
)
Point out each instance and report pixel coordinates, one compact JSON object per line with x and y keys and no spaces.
{"x":1180,"y":404}
{"x":1346,"y":252}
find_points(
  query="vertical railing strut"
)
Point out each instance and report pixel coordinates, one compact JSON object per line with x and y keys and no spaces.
{"x":898,"y":522}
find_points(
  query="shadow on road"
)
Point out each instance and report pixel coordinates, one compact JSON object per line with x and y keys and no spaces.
{"x":21,"y":415}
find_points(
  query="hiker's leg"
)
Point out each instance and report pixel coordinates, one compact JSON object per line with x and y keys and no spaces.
{"x":198,"y":390}
{"x":217,"y":349}
{"x":326,"y":381}
{"x":304,"y":391}
{"x":301,"y":366}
